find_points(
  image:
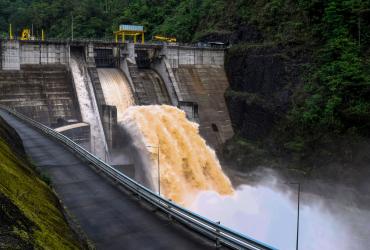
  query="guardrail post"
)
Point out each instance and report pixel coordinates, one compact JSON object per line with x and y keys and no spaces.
{"x":218,"y":243}
{"x":169,"y":207}
{"x":138,"y":194}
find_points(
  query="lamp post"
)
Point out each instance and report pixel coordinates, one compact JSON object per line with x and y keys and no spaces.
{"x":298,"y":201}
{"x":158,"y":168}
{"x":72,"y":26}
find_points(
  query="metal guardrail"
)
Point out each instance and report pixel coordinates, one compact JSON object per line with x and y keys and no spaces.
{"x":214,"y":231}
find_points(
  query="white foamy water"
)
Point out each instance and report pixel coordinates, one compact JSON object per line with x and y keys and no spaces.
{"x":89,"y":108}
{"x":267,"y":214}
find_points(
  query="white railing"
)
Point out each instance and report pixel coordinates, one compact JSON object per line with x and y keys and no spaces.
{"x":212,"y":230}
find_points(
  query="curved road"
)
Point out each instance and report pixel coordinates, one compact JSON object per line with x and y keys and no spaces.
{"x":111,"y":218}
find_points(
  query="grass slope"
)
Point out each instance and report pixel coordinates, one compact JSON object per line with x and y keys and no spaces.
{"x":29,"y":210}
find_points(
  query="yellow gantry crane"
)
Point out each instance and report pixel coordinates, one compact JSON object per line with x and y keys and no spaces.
{"x":26,"y":34}
{"x":165,"y":39}
{"x":130,"y":30}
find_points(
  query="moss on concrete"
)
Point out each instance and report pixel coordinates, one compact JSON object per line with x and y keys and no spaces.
{"x":31,"y":209}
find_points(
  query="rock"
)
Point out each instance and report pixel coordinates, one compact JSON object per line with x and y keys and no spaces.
{"x":262,"y":82}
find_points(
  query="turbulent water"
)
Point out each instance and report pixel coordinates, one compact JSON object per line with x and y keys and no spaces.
{"x":88,"y":107}
{"x":186,"y":164}
{"x":268,"y":212}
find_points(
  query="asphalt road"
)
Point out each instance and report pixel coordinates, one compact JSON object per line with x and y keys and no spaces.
{"x":111,"y":218}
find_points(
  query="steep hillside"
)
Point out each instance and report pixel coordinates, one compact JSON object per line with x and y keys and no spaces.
{"x":30,"y":213}
{"x":299,"y":94}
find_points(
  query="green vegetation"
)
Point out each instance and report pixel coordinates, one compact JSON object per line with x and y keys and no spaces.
{"x":186,"y":19}
{"x":30,"y":212}
{"x":335,"y":99}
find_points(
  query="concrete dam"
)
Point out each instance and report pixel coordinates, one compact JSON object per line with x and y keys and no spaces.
{"x":81,"y":88}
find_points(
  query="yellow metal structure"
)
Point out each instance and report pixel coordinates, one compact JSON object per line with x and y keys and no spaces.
{"x":165,"y":39}
{"x":129,"y":32}
{"x":42,"y":35}
{"x":11,"y":37}
{"x":26,"y":34}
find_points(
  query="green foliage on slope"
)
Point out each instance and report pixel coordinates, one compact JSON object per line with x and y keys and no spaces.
{"x":30,"y":213}
{"x":336,"y":96}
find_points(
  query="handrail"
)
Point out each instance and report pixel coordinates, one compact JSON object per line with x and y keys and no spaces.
{"x":214,"y":231}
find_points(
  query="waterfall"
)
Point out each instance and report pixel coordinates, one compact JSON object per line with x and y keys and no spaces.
{"x":186,"y":164}
{"x":88,"y":107}
{"x":169,"y":146}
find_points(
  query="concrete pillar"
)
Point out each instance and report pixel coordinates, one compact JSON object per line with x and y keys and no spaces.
{"x":89,"y":51}
{"x":11,"y":57}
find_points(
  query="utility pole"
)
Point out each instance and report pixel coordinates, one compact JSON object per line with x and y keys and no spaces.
{"x":159,"y":172}
{"x":298,"y":210}
{"x":359,"y":30}
{"x":72,"y":26}
{"x":299,"y":194}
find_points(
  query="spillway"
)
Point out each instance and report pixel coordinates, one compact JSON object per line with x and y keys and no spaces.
{"x":169,"y":146}
{"x":116,"y":90}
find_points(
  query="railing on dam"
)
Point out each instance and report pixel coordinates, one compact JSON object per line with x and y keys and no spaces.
{"x":80,"y":41}
{"x":214,"y":231}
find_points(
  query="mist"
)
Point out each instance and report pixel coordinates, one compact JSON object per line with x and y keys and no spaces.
{"x":267,"y":211}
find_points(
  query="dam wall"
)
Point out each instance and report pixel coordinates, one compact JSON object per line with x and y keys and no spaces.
{"x":199,"y":81}
{"x":42,"y":92}
{"x":35,"y":80}
{"x":182,"y":55}
{"x":15,"y":53}
{"x":191,"y":78}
